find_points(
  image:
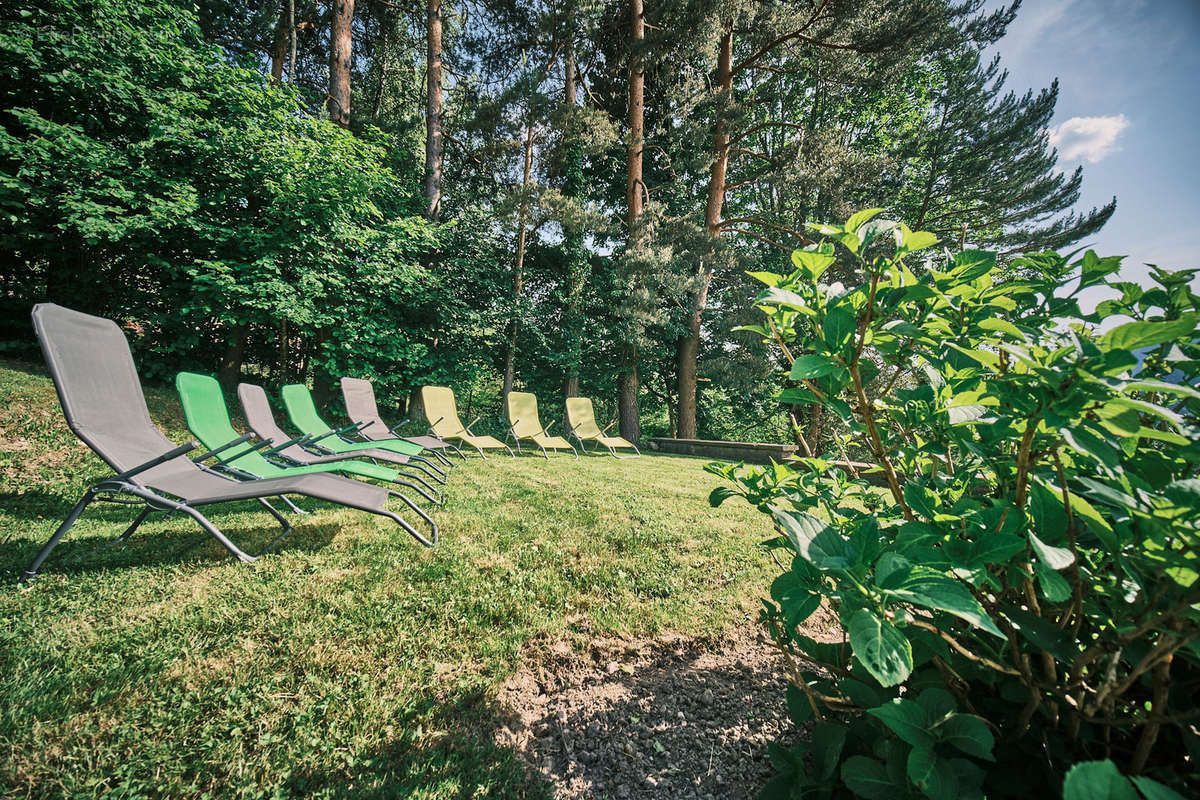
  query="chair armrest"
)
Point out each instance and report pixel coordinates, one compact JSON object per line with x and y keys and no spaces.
{"x":545,"y":430}
{"x":298,"y":440}
{"x":154,"y":462}
{"x":467,"y":427}
{"x":604,"y":430}
{"x":338,"y":432}
{"x":243,"y":438}
{"x":224,"y":460}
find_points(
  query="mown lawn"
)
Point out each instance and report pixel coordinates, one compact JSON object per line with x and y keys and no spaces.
{"x":351,"y":661}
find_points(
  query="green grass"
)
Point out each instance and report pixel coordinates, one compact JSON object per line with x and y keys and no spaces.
{"x":349,"y":662}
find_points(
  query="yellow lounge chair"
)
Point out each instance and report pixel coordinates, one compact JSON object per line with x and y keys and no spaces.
{"x":523,"y":423}
{"x":581,"y":419}
{"x":442,"y":413}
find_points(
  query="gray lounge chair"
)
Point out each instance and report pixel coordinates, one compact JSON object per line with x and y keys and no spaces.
{"x":361,"y":408}
{"x":98,"y":387}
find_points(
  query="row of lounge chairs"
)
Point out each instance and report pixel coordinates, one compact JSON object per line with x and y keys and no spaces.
{"x":92,"y":367}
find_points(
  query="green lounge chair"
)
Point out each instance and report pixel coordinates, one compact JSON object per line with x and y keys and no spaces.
{"x":298,"y":401}
{"x":208,"y":419}
{"x":581,"y":421}
{"x":442,"y":413}
{"x":523,"y":423}
{"x":92,"y":368}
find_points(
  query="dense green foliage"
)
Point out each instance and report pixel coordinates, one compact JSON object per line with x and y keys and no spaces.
{"x":151,"y":170}
{"x":348,"y":663}
{"x":147,"y":178}
{"x":1025,"y":593}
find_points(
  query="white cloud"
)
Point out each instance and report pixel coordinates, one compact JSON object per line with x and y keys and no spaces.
{"x":1090,"y":138}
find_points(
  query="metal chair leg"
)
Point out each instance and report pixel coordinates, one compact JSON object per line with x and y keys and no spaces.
{"x":215,"y":532}
{"x":409,"y":528}
{"x":291,"y":505}
{"x":420,"y":463}
{"x":83,"y":503}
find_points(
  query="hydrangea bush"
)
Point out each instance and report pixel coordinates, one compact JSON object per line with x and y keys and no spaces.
{"x":1022,"y":594}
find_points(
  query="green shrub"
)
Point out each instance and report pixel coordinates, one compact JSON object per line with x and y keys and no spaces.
{"x":1022,"y":595}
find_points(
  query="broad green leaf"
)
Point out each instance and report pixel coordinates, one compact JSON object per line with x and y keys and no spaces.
{"x":838,"y":328}
{"x":1052,"y":557}
{"x":1184,"y":493}
{"x":891,"y":569}
{"x":813,"y":263}
{"x":1165,"y":387}
{"x":1054,"y":586}
{"x":881,"y":647}
{"x":1002,"y":326}
{"x":920,"y":500}
{"x":1136,"y":335}
{"x":1084,"y":440}
{"x":1097,"y":780}
{"x":937,"y":702}
{"x":814,"y":539}
{"x":1041,"y":632}
{"x":806,"y":367}
{"x":1143,"y":407}
{"x":912,"y":241}
{"x":984,"y":357}
{"x":972,"y":264}
{"x":930,"y":589}
{"x":826,"y":743}
{"x":769,"y":278}
{"x":970,"y":734}
{"x":996,"y":548}
{"x":907,"y":719}
{"x":860,"y":217}
{"x":932,"y":774}
{"x":1153,"y":790}
{"x":868,"y":778}
{"x":720,"y":495}
{"x":1119,"y":419}
{"x":774,"y":296}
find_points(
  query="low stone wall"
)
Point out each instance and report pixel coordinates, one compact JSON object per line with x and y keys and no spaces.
{"x":750,"y":452}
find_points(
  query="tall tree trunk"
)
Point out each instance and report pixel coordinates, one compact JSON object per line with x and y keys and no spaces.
{"x":382,"y":56}
{"x":282,"y":377}
{"x":280,"y":44}
{"x":688,"y":346}
{"x":433,"y":108}
{"x":230,"y":369}
{"x":627,"y":383}
{"x":291,"y":9}
{"x":518,"y":285}
{"x":340,"y":55}
{"x":574,"y":256}
{"x":322,"y":379}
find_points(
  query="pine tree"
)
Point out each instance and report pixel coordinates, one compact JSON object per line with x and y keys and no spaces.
{"x":982,"y":170}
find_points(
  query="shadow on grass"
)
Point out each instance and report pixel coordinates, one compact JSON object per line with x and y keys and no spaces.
{"x":84,"y":549}
{"x":446,"y":749}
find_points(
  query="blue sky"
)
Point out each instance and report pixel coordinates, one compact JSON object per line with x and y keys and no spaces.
{"x":1128,"y":111}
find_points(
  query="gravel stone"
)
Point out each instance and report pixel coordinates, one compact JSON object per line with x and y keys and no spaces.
{"x":684,"y":718}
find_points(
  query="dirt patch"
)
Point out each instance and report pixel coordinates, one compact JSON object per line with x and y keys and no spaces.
{"x":669,"y":717}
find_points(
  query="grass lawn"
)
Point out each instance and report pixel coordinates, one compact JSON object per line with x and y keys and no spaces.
{"x":351,"y":661}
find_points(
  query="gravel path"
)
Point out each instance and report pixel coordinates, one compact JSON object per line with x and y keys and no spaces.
{"x":663,"y":718}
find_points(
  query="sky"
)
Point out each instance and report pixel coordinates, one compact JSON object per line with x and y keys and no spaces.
{"x":1128,"y":111}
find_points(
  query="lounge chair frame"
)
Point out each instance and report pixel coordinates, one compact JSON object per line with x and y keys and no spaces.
{"x":571,"y":431}
{"x":120,"y":485}
{"x":533,"y":437}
